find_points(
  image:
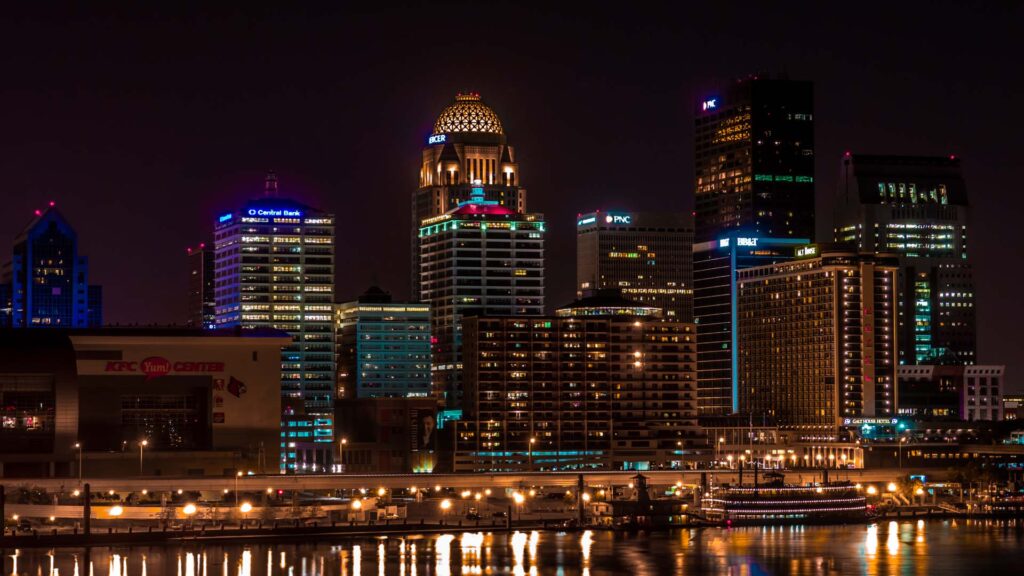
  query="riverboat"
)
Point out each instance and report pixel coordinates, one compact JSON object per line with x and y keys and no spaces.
{"x":775,"y":502}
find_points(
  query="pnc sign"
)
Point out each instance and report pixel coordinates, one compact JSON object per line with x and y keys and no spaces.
{"x":709,"y":104}
{"x":156,"y":366}
{"x":619,"y":219}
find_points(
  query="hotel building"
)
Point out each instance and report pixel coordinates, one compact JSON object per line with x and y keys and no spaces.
{"x":755,"y":160}
{"x":604,"y":384}
{"x":480,"y":257}
{"x":916,"y":207}
{"x":817,"y":339}
{"x":647,"y":256}
{"x":274,"y":268}
{"x":383,"y":347}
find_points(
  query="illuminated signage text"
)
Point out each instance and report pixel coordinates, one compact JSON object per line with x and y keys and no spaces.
{"x":710,"y":104}
{"x":806,"y":251}
{"x":436,"y":139}
{"x":746,"y":242}
{"x":275,"y":212}
{"x":619,"y":219}
{"x":225,"y":218}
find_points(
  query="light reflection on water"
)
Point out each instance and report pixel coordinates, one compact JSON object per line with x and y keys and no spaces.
{"x":914,"y":547}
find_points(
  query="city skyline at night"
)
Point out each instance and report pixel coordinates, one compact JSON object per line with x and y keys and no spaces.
{"x":150,"y":142}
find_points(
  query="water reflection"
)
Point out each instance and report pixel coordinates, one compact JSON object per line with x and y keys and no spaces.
{"x":964,"y":547}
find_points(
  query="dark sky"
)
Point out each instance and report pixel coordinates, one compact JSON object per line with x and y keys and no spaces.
{"x":143,"y":125}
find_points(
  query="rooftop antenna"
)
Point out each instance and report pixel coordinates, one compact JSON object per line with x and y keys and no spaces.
{"x":270,"y":185}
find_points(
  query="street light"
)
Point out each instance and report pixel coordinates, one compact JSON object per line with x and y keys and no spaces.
{"x":142,"y":445}
{"x":78,"y":446}
{"x":341,"y":455}
{"x":237,"y":476}
{"x":446,"y":505}
{"x":519,"y":499}
{"x":532,"y":442}
{"x":718,"y":450}
{"x":245,"y":508}
{"x":115,"y":511}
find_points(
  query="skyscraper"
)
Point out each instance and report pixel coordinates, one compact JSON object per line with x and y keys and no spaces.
{"x":202,"y":301}
{"x":755,"y":160}
{"x":916,"y":207}
{"x":647,"y":256}
{"x":715,"y":265}
{"x":817,"y":338}
{"x":466,"y":148}
{"x":48,"y":281}
{"x":480,"y":257}
{"x":274,"y":267}
{"x":383,"y":347}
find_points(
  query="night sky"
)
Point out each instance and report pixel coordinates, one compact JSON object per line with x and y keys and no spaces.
{"x":142,"y":126}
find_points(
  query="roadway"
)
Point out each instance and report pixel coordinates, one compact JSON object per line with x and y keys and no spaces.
{"x":324,"y":482}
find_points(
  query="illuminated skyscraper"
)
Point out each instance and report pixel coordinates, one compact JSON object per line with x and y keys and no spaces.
{"x":916,"y":207}
{"x":484,"y":258}
{"x":755,"y":160}
{"x":467,"y":147}
{"x":646,"y":256}
{"x":274,"y":267}
{"x":47,"y":280}
{"x":383,"y":347}
{"x":817,"y":339}
{"x":715,"y":265}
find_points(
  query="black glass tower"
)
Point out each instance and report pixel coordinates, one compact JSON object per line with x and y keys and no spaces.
{"x":755,"y":160}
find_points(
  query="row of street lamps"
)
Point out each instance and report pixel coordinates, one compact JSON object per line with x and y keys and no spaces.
{"x":78,"y":446}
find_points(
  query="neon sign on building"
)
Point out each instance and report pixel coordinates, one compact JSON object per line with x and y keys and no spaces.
{"x":275,"y":212}
{"x":437,"y":139}
{"x":709,"y":104}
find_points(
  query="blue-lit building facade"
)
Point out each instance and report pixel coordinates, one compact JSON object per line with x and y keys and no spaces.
{"x":46,"y":283}
{"x":274,"y":268}
{"x":383,"y":347}
{"x":715,"y":265}
{"x":916,"y":207}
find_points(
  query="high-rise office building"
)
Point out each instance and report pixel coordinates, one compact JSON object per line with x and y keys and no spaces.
{"x":755,"y":160}
{"x":604,"y":384}
{"x":480,"y":257}
{"x":274,"y":267}
{"x":47,"y":280}
{"x":916,"y":207}
{"x":383,"y":347}
{"x":647,"y":256}
{"x":202,"y":300}
{"x":817,"y":338}
{"x":715,"y":265}
{"x":467,"y":148}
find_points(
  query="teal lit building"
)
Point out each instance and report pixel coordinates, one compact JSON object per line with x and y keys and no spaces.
{"x":479,"y":258}
{"x":916,"y":207}
{"x":383,"y":347}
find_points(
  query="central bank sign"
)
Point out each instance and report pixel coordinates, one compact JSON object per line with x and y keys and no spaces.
{"x":275,"y":212}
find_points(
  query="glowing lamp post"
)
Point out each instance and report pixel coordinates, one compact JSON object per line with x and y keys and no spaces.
{"x":519,"y":500}
{"x":142,"y":446}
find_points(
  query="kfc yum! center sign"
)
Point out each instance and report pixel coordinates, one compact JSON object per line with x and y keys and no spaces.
{"x":156,"y":366}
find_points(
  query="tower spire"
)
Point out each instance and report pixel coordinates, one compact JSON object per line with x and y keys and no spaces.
{"x":270,"y":185}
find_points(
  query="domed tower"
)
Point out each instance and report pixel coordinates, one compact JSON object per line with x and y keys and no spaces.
{"x":467,"y":147}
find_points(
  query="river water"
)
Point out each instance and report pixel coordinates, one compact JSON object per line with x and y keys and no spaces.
{"x":896,"y":548}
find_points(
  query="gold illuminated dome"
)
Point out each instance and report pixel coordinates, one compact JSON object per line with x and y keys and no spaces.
{"x":468,"y":114}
